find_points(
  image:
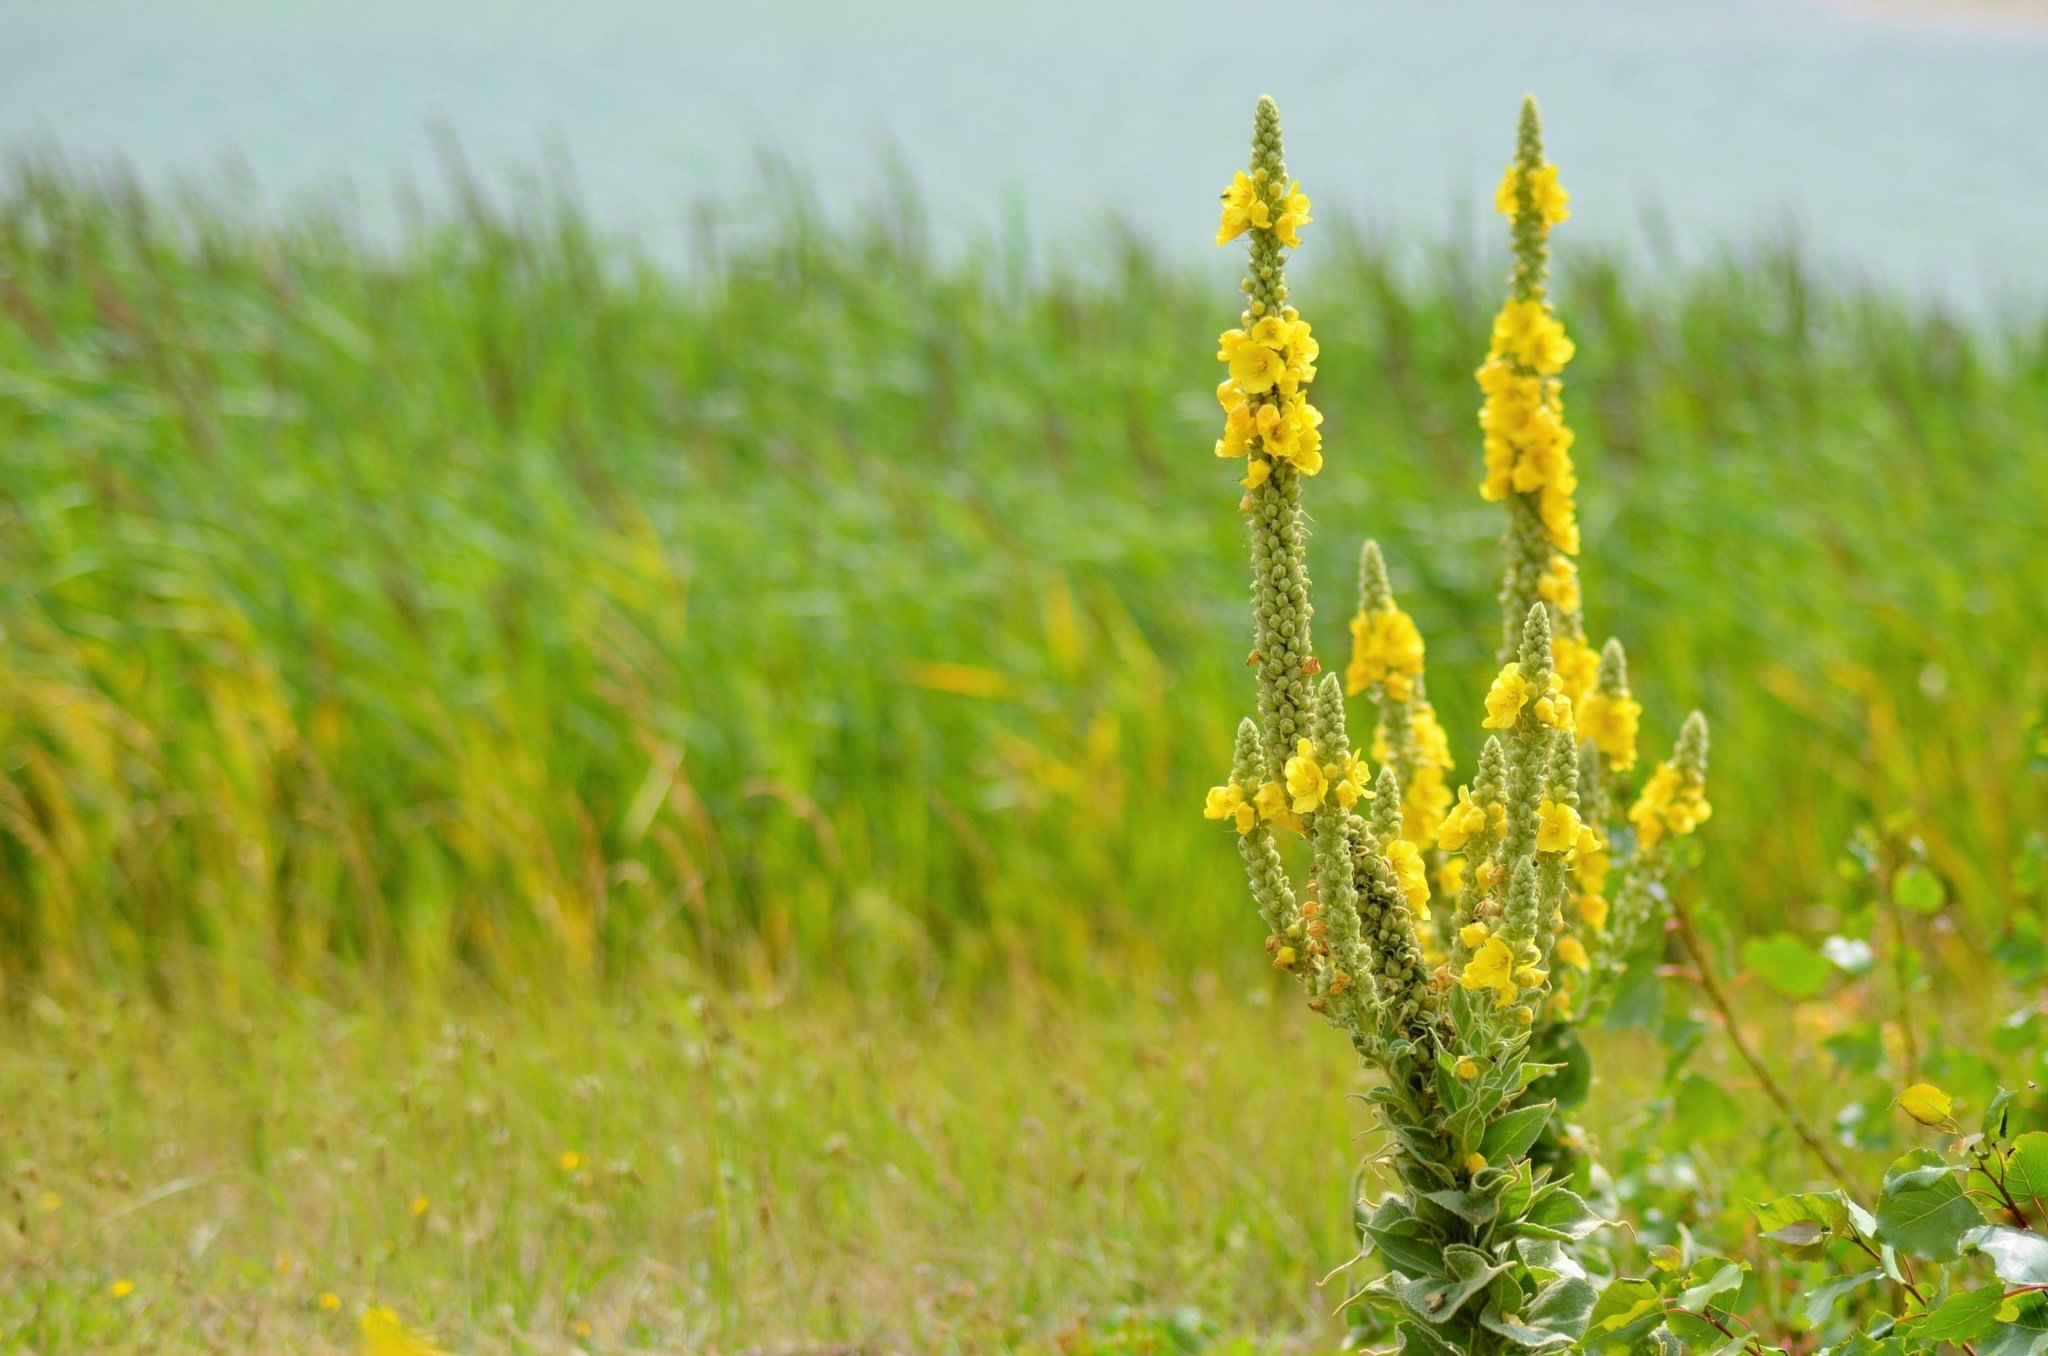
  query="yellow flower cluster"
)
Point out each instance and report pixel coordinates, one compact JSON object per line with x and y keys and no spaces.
{"x":1494,"y":967}
{"x":1230,"y":802}
{"x":1466,"y":821}
{"x":1310,"y":783}
{"x":1590,"y":871}
{"x":1559,"y":829}
{"x":1610,"y":722}
{"x":1426,"y":796}
{"x":1559,"y":586}
{"x":1265,"y":403}
{"x":1577,"y":666}
{"x":1668,"y":805}
{"x":1511,"y":692}
{"x":1386,"y":647}
{"x":1283,"y":211}
{"x":1553,"y":203}
{"x":1412,"y":874}
{"x":1528,"y":447}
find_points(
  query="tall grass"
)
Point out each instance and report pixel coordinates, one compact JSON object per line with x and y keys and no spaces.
{"x":492,"y":595}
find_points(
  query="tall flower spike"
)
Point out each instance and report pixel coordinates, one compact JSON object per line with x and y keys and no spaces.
{"x":1341,"y":982}
{"x":1528,"y":446}
{"x":1271,"y":890}
{"x":1269,"y":421}
{"x":1386,"y":664}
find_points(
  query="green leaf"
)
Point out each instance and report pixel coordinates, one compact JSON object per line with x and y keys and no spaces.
{"x":1821,"y":1300}
{"x":1923,"y":1211}
{"x":2023,"y":1331}
{"x":2017,"y":1255}
{"x":1787,"y":964}
{"x":1803,"y":1222}
{"x":1466,"y":1205}
{"x":1626,"y":1311}
{"x":1565,"y":1305}
{"x":1510,"y":1137}
{"x":2026,"y":1167}
{"x":1963,"y":1317}
{"x":1437,"y":1300}
{"x":1919,"y":889}
{"x":1709,"y":1279}
{"x":1571,"y":1079}
{"x":1408,"y":1246}
{"x":1559,"y":1213}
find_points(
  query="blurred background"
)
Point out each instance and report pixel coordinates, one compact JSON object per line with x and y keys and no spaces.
{"x":712,"y":511}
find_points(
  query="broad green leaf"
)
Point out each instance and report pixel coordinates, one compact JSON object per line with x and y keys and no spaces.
{"x":1565,"y":1305}
{"x":1510,"y":1137}
{"x":1787,"y":964}
{"x":1923,"y":1211}
{"x":2022,"y":1329}
{"x":1466,"y":1205}
{"x":1560,"y":1214}
{"x":2019,"y":1256}
{"x":1708,"y":1280}
{"x":1408,"y":1247}
{"x":1626,"y":1311}
{"x":1467,"y":1272}
{"x":1963,"y":1317}
{"x":1820,"y":1301}
{"x":2026,"y":1168}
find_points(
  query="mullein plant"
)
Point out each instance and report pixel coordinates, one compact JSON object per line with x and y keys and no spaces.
{"x":1453,"y":937}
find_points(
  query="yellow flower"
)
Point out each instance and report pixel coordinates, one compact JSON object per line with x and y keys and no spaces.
{"x":1272,"y":332}
{"x":1504,"y":701}
{"x":384,"y":1334}
{"x":1487,"y":876}
{"x":569,"y":1160}
{"x":1474,"y":1164}
{"x":1492,"y":968}
{"x":419,"y":1206}
{"x":1255,"y":367}
{"x":1557,"y":827}
{"x":1386,"y":647}
{"x":1423,"y":803}
{"x":48,"y":1202}
{"x":1224,"y":802}
{"x":122,"y":1288}
{"x":1466,"y":819}
{"x":1526,"y":333}
{"x":1560,"y":585}
{"x":1242,"y":208}
{"x":1450,"y":877}
{"x":1593,"y":909}
{"x":1577,"y":665}
{"x":1667,"y":805}
{"x":1552,"y":202}
{"x":1474,"y":935}
{"x":1468,"y":1069}
{"x":1610,"y":721}
{"x":1283,"y":958}
{"x":1293,"y":216}
{"x":1572,"y":952}
{"x":1257,"y":474}
{"x":1928,"y":1104}
{"x":1347,"y":780}
{"x":1412,"y":874}
{"x":330,"y":1302}
{"x":1307,"y":782}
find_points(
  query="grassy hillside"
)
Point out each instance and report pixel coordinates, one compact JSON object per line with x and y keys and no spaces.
{"x":846,"y":611}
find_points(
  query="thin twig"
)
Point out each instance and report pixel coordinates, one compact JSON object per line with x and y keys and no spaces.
{"x":1710,"y":984}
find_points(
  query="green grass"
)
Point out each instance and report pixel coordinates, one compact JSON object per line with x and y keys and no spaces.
{"x":493,"y":597}
{"x":830,"y":1176}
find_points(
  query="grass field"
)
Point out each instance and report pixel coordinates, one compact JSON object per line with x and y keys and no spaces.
{"x":478,"y":701}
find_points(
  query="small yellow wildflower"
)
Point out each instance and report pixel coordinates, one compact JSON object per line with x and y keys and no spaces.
{"x":1527,"y":334}
{"x":1243,"y":209}
{"x":419,"y":1206}
{"x":1593,"y":910}
{"x":1610,"y":721}
{"x":1577,"y":665}
{"x":569,"y":1160}
{"x":1667,"y":805}
{"x":1492,"y":969}
{"x":122,"y":1288}
{"x":1488,"y":875}
{"x":1450,"y":877}
{"x":1412,"y":874}
{"x":1468,"y":1069}
{"x":1505,"y":699}
{"x":1560,"y":585}
{"x":1557,"y":827}
{"x":330,"y":1302}
{"x":1224,"y":802}
{"x":385,"y":1334}
{"x":1474,"y":1164}
{"x":1466,"y":820}
{"x":1255,"y":368}
{"x":48,"y":1202}
{"x":1552,"y":201}
{"x":1283,"y":958}
{"x":1572,"y":952}
{"x":1474,"y":935}
{"x":1386,"y":647}
{"x":1293,"y":216}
